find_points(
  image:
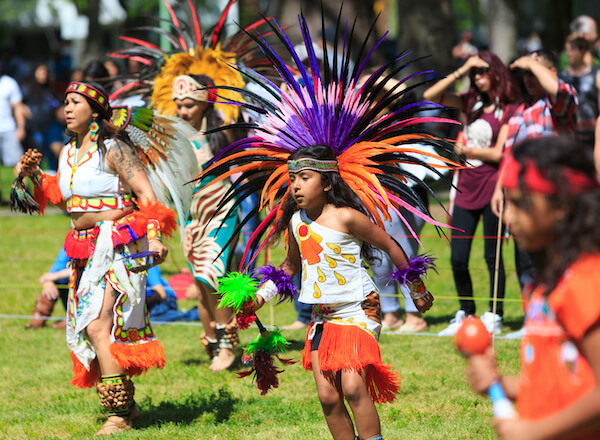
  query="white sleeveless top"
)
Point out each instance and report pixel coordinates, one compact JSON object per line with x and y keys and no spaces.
{"x":332,"y":270}
{"x":92,"y":178}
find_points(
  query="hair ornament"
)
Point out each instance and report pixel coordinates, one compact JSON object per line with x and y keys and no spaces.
{"x":306,"y":163}
{"x":194,"y":52}
{"x":91,"y":92}
{"x":535,"y":180}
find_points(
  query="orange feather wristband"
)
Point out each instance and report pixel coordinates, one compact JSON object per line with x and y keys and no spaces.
{"x":46,"y":190}
{"x":167,"y":218}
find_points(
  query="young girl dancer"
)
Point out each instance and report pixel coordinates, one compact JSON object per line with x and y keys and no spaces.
{"x":325,"y":160}
{"x":554,"y":201}
{"x":331,"y":235}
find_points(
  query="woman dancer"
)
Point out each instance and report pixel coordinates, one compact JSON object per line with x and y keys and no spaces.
{"x":99,"y":172}
{"x":207,"y":235}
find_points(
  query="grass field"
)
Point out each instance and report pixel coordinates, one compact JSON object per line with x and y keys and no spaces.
{"x":185,"y":400}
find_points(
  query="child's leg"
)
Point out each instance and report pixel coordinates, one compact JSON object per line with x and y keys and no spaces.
{"x":365,"y":413}
{"x":332,"y":401}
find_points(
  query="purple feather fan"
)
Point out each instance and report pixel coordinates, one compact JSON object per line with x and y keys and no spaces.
{"x":286,"y":290}
{"x":416,"y":267}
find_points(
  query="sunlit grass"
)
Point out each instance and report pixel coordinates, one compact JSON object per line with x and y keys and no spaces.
{"x":186,"y":400}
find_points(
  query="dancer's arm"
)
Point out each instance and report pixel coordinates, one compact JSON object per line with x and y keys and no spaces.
{"x":126,"y":162}
{"x":291,"y":265}
{"x":362,"y":228}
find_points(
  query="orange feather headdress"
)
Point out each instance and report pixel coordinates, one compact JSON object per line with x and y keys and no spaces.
{"x":325,"y":104}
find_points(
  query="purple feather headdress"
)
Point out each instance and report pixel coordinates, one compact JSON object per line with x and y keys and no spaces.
{"x":339,"y":105}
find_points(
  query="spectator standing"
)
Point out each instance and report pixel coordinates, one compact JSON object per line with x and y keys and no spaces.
{"x":584,"y":26}
{"x":550,"y":110}
{"x":12,"y":120}
{"x":488,"y":105}
{"x":586,"y":80}
{"x":41,"y":103}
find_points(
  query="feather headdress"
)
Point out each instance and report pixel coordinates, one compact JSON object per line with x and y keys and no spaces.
{"x":210,"y":53}
{"x":328,"y":105}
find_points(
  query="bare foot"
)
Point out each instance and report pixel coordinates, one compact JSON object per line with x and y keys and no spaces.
{"x":115,"y":424}
{"x":296,"y":325}
{"x":414,"y":323}
{"x":391,"y":321}
{"x":223,"y":360}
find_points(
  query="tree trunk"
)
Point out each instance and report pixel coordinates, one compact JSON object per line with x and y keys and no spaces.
{"x":501,"y":21}
{"x":94,"y":40}
{"x":426,"y":27}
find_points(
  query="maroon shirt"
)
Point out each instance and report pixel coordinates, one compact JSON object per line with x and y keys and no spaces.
{"x":476,"y":185}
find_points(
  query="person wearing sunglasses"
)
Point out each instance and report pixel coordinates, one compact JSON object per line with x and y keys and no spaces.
{"x":486,"y":108}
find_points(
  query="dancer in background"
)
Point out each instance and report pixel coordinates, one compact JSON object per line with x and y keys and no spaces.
{"x":554,"y":200}
{"x":193,"y":83}
{"x":208,"y":234}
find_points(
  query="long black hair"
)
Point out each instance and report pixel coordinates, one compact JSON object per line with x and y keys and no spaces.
{"x":340,"y":195}
{"x":107,"y":129}
{"x":577,"y":232}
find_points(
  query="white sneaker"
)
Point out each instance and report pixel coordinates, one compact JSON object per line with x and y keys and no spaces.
{"x":454,"y":324}
{"x":516,"y":335}
{"x":488,"y":320}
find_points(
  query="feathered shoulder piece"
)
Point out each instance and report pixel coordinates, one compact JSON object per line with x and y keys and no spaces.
{"x":164,"y":147}
{"x":193,"y":52}
{"x":333,"y":102}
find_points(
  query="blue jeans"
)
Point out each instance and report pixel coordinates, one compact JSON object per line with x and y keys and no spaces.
{"x":304,"y":310}
{"x":390,"y":302}
{"x":167,"y":311}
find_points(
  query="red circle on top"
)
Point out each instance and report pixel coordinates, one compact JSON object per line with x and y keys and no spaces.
{"x":303,"y":231}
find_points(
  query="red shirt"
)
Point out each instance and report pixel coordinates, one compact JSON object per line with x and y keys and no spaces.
{"x":544,"y":117}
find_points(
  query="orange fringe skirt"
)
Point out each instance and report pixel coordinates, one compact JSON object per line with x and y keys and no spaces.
{"x":350,"y":344}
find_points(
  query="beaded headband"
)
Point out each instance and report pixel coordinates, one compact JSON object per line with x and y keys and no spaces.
{"x":536,"y":182}
{"x":323,"y":166}
{"x":92,"y":93}
{"x":185,"y":86}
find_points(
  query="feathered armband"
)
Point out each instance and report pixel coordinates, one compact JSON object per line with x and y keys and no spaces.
{"x":411,"y":274}
{"x":277,"y":278}
{"x":160,"y":219}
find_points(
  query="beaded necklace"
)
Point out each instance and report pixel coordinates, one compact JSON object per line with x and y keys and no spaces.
{"x":76,"y":163}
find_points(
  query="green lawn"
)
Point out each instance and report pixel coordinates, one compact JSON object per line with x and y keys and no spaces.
{"x":186,"y":400}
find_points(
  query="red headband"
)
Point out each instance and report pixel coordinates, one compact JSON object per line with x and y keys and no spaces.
{"x":536,"y":182}
{"x":90,"y":92}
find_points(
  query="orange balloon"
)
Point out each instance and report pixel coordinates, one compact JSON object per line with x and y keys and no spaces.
{"x":472,"y":337}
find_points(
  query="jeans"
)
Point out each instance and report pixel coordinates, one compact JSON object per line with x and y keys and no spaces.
{"x":390,"y":302}
{"x":304,"y":310}
{"x":460,"y":250}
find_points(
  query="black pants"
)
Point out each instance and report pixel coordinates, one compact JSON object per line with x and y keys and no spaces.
{"x":467,"y":220}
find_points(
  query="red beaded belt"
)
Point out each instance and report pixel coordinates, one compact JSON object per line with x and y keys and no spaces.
{"x":79,"y":244}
